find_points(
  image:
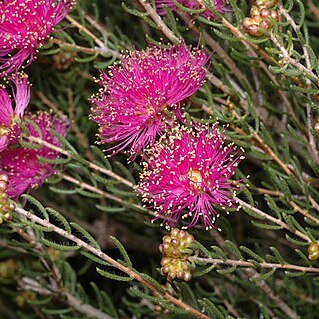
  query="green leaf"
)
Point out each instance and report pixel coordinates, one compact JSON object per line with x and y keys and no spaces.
{"x":57,"y":246}
{"x":113,"y":276}
{"x":122,"y":251}
{"x":265,"y":276}
{"x":36,"y":203}
{"x":94,"y":258}
{"x":266,"y":226}
{"x":86,"y":235}
{"x":61,"y":219}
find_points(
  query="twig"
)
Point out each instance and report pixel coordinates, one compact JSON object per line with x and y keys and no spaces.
{"x":273,"y":220}
{"x":50,"y":104}
{"x":89,"y":164}
{"x":251,"y":48}
{"x":159,"y":22}
{"x":292,"y":61}
{"x":66,"y":297}
{"x":102,"y":193}
{"x":78,"y":47}
{"x":248,"y":264}
{"x":97,"y":252}
{"x":214,"y":45}
{"x":100,"y":43}
{"x":252,"y":273}
{"x":312,"y":142}
{"x":269,"y":151}
{"x":292,"y":203}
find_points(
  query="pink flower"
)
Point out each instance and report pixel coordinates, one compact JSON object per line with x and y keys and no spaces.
{"x":141,"y":97}
{"x":24,"y":27}
{"x":22,"y":165}
{"x":193,"y":5}
{"x":10,"y":116}
{"x":187,"y":175}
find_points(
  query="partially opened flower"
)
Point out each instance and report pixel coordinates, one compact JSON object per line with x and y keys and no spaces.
{"x":22,"y":165}
{"x":12,"y":109}
{"x":142,"y":96}
{"x":219,"y":6}
{"x":24,"y":27}
{"x":187,"y":175}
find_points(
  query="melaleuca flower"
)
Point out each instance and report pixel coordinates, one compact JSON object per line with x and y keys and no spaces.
{"x":23,"y":166}
{"x":187,"y":175}
{"x":24,"y":27}
{"x":142,"y":96}
{"x":11,"y":110}
{"x":193,"y":5}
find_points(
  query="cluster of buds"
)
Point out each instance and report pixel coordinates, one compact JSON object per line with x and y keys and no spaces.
{"x":262,"y":17}
{"x":313,"y":251}
{"x":176,"y":252}
{"x":6,"y":207}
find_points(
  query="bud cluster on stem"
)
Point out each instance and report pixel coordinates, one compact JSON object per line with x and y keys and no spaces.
{"x":262,"y":17}
{"x":176,"y":251}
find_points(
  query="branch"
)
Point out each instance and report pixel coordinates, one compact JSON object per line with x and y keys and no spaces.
{"x":292,"y":61}
{"x":248,"y":264}
{"x":100,"y":43}
{"x":293,"y":204}
{"x":102,"y":193}
{"x":97,"y":252}
{"x":273,"y":220}
{"x":302,"y":40}
{"x":79,"y":48}
{"x":89,"y":164}
{"x":159,"y":22}
{"x":77,"y":304}
{"x":252,"y":273}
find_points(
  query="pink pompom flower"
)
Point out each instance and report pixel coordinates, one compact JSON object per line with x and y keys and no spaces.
{"x":12,"y":109}
{"x":142,"y":97}
{"x":193,"y":5}
{"x":24,"y":27}
{"x":22,"y":165}
{"x":187,"y":175}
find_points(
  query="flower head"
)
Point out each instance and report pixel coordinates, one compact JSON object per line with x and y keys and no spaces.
{"x":22,"y":165}
{"x":24,"y":26}
{"x":187,"y":175}
{"x":142,"y":96}
{"x":10,"y":116}
{"x":193,"y":5}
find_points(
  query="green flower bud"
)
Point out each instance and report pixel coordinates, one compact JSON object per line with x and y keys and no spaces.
{"x":177,"y":244}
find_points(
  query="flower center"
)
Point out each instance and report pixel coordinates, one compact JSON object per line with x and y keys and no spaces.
{"x":195,"y":178}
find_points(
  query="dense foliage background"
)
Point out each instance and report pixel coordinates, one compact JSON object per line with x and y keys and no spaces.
{"x":265,"y":88}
